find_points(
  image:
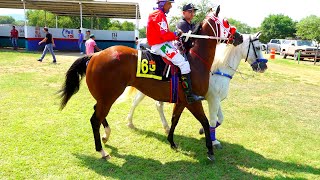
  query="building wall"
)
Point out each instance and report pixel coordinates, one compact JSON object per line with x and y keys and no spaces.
{"x":65,"y":39}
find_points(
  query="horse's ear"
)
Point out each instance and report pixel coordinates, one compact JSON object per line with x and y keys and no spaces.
{"x":258,"y":34}
{"x":217,"y":11}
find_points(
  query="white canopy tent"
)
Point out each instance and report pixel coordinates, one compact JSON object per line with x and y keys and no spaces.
{"x":91,"y":8}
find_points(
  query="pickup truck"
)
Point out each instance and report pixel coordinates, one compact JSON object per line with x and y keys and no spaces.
{"x":276,"y":44}
{"x":292,"y":48}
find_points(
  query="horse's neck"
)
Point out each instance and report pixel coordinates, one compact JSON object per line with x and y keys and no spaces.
{"x":230,"y":61}
{"x":205,"y":50}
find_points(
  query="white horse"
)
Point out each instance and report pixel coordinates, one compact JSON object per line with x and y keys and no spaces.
{"x":225,"y":64}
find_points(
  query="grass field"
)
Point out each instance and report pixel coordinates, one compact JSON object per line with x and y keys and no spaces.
{"x":271,"y":128}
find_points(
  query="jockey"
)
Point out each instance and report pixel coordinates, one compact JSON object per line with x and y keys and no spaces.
{"x":160,"y":39}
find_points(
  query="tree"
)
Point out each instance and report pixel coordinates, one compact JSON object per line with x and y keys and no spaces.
{"x":142,"y":32}
{"x":202,"y":6}
{"x":308,"y":28}
{"x":277,"y":27}
{"x":128,"y":26}
{"x":6,"y":20}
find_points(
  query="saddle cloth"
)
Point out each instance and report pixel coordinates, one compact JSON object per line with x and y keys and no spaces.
{"x":150,"y":65}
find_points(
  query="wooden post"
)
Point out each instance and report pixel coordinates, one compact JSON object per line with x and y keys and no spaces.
{"x":316,"y":55}
{"x":299,"y":54}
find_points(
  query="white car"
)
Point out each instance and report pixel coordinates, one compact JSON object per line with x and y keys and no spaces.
{"x":293,"y":47}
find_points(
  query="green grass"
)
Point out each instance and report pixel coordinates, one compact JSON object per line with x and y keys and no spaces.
{"x":271,"y":128}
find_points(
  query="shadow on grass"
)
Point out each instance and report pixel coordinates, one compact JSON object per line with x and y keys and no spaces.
{"x":234,"y":162}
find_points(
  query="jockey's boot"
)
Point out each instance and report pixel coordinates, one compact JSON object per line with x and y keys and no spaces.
{"x":187,"y":88}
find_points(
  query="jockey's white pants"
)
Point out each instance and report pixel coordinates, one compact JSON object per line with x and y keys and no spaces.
{"x":169,"y":51}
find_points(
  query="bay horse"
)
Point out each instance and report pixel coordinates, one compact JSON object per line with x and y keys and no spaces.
{"x":110,"y":71}
{"x":225,"y":65}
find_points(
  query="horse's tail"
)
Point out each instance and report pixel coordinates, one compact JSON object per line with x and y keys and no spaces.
{"x":73,"y":77}
{"x":128,"y":92}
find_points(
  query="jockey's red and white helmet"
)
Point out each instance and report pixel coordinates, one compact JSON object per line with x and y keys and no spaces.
{"x":172,"y":1}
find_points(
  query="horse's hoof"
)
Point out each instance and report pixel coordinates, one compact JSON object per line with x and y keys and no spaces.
{"x":131,"y":126}
{"x":104,"y":140}
{"x":211,"y":157}
{"x":174,"y":146}
{"x":218,"y":146}
{"x":107,"y":157}
{"x":201,"y":131}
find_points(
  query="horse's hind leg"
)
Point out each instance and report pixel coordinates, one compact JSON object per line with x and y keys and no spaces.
{"x":177,"y":110}
{"x":137,"y":99}
{"x":98,"y":117}
{"x":159,"y":106}
{"x":107,"y":130}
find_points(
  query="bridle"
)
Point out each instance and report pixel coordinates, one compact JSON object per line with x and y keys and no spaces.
{"x":254,"y":49}
{"x":258,"y":61}
{"x":216,"y":36}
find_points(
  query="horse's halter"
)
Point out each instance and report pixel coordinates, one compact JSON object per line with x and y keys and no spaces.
{"x":258,"y":61}
{"x":254,"y":50}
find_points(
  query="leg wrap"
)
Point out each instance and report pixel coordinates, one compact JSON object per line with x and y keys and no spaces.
{"x":213,"y":133}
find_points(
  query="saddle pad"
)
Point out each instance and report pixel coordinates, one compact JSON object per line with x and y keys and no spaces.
{"x":150,"y":65}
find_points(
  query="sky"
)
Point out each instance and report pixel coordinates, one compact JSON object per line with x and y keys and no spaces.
{"x":251,"y":12}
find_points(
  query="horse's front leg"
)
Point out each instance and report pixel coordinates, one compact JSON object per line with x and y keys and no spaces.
{"x":137,"y":99}
{"x":177,"y":110}
{"x":197,"y":110}
{"x":214,"y":110}
{"x":159,"y":106}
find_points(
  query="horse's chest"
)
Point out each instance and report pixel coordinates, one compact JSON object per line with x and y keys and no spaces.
{"x":218,"y":87}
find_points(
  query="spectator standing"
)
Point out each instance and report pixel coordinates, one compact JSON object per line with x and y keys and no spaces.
{"x":14,"y":34}
{"x":49,"y":45}
{"x":86,"y":38}
{"x":91,"y":45}
{"x":80,"y":41}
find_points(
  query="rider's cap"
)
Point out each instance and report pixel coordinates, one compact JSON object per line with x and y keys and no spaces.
{"x":165,"y":1}
{"x":91,"y":35}
{"x":189,"y":6}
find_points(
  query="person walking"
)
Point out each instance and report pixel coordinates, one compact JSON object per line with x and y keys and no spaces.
{"x":91,"y":45}
{"x":80,"y":41}
{"x":160,"y":39}
{"x":49,"y":45}
{"x":14,"y":34}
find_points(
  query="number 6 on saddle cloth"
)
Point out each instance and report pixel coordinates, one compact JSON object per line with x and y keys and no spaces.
{"x":150,"y":65}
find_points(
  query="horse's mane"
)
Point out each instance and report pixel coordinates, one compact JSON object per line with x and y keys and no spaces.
{"x":224,"y":51}
{"x":197,"y":28}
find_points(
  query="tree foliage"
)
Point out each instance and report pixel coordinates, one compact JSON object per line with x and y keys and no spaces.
{"x":142,"y":32}
{"x":277,"y":27}
{"x":42,"y":18}
{"x":308,"y":28}
{"x":6,"y":20}
{"x":203,"y":7}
